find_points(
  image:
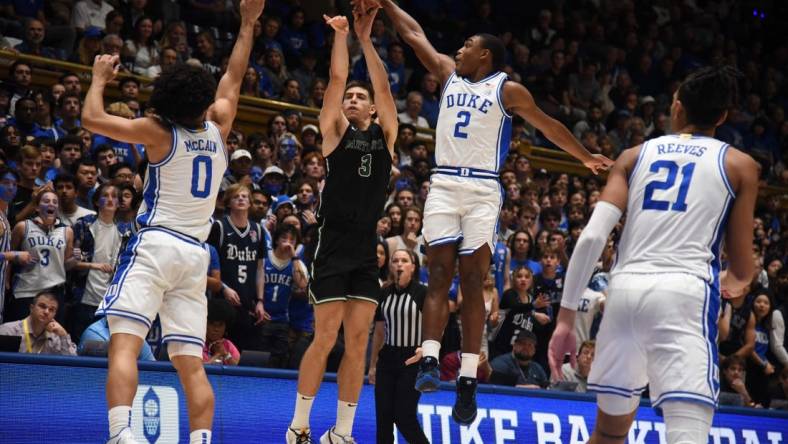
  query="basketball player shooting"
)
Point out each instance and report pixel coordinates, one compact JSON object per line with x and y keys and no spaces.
{"x":162,"y":271}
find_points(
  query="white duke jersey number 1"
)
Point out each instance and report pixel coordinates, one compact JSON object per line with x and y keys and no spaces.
{"x":474,"y":129}
{"x":180,"y":191}
{"x":677,"y":209}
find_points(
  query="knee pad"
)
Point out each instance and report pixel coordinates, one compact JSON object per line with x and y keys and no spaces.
{"x":118,"y":324}
{"x":176,"y":348}
{"x":687,"y":422}
{"x":615,"y":405}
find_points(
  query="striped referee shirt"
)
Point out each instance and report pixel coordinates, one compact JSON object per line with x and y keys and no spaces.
{"x":400,"y":309}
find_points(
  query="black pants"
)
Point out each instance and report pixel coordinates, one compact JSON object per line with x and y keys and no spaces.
{"x":396,"y":400}
{"x":275,"y":340}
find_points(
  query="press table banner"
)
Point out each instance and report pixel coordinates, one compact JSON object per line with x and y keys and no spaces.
{"x":61,"y":400}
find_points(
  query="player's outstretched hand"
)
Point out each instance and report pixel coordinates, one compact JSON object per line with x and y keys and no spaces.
{"x":252,"y":9}
{"x":338,"y":22}
{"x":105,"y":67}
{"x":562,"y":343}
{"x":363,"y":17}
{"x":598,"y":163}
{"x":415,"y":358}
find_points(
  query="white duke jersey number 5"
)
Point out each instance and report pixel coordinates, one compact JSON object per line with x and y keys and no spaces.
{"x":677,"y":209}
{"x":474,"y":129}
{"x":180,"y":191}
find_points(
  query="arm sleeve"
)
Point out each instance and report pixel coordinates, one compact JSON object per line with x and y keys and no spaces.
{"x":778,"y":337}
{"x":589,"y":247}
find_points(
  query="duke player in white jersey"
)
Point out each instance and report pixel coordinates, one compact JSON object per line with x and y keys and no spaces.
{"x":465,"y":198}
{"x":682,"y":193}
{"x":163,"y":268}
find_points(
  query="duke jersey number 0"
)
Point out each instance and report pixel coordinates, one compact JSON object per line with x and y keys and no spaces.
{"x":180,"y":191}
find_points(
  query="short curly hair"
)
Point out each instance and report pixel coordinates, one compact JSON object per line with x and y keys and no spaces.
{"x":182,"y":93}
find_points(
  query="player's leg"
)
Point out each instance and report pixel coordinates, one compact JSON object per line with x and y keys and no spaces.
{"x":619,"y":373}
{"x":436,"y":304}
{"x":442,"y":233}
{"x":687,"y":422}
{"x":614,"y":417}
{"x":350,"y":377}
{"x":122,"y":376}
{"x":473,"y":269}
{"x":328,"y":318}
{"x":184,"y":318}
{"x":130,"y":304}
{"x":682,"y":352}
{"x":199,"y":392}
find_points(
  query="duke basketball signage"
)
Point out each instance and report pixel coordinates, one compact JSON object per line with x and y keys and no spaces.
{"x":154,"y":415}
{"x":255,"y":406}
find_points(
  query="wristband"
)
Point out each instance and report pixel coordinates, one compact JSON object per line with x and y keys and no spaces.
{"x":224,"y":286}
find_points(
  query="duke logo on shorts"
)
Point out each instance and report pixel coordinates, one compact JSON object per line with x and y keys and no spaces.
{"x":472,"y":141}
{"x":660,"y":322}
{"x":162,"y":270}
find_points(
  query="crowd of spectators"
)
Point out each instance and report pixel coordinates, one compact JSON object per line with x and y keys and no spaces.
{"x":605,"y":69}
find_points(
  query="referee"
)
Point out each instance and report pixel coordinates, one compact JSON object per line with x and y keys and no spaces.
{"x":397,"y":335}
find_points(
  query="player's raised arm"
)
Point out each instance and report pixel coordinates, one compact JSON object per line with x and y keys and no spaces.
{"x":384,"y":101}
{"x":94,"y":117}
{"x":743,"y":172}
{"x":229,"y":89}
{"x":412,"y":33}
{"x":518,"y":99}
{"x":332,"y":122}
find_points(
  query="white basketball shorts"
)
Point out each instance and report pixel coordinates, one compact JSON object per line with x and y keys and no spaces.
{"x":658,"y":330}
{"x":463,"y":210}
{"x":164,"y":272}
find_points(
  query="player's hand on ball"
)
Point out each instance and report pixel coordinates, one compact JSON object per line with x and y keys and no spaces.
{"x":598,"y":163}
{"x":105,"y":67}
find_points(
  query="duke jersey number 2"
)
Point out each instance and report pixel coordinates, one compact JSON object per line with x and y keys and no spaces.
{"x":474,"y":129}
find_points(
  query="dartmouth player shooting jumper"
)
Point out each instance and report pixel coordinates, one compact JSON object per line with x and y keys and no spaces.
{"x":345,"y":264}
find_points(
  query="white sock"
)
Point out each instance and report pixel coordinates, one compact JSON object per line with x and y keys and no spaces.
{"x":302,"y":409}
{"x":469,"y":364}
{"x":201,"y":436}
{"x":430,"y":348}
{"x":119,"y":419}
{"x":346,"y":413}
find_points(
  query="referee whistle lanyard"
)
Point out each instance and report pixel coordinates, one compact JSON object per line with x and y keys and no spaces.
{"x":28,"y":344}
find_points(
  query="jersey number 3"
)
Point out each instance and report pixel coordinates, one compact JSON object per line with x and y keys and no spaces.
{"x":366,"y":165}
{"x":649,"y":203}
